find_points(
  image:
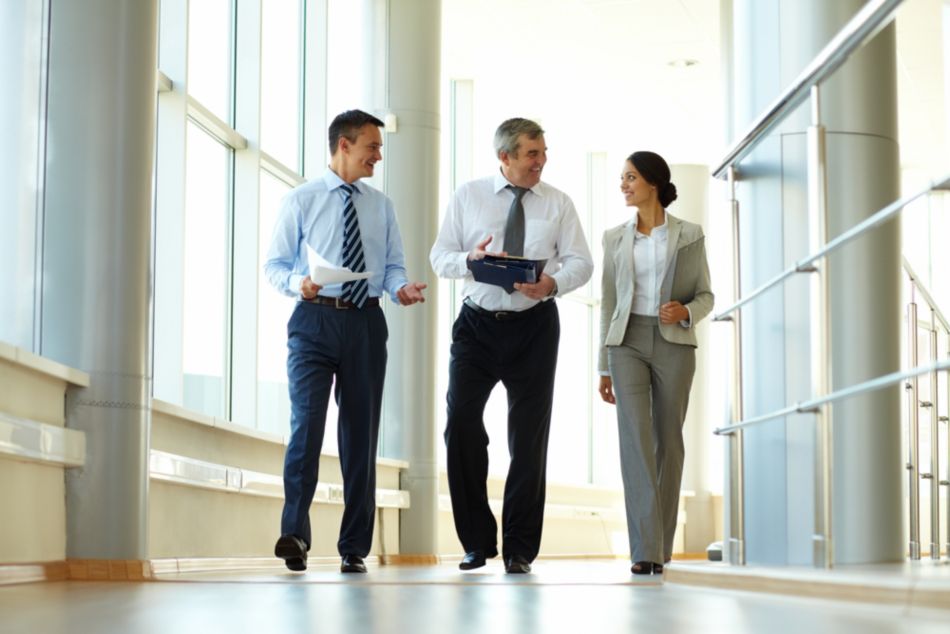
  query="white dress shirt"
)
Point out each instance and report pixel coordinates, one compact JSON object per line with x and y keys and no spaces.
{"x":479,"y":209}
{"x":649,"y":266}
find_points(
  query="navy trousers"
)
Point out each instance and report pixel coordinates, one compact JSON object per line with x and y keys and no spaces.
{"x":325,"y":342}
{"x":521,"y":352}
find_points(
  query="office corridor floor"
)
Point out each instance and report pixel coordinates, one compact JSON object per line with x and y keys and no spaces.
{"x":559,"y":596}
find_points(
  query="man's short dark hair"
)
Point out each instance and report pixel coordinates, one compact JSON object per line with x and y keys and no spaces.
{"x":347,"y":124}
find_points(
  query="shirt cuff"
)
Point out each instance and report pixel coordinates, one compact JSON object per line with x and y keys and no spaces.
{"x":687,"y":323}
{"x":293,"y":284}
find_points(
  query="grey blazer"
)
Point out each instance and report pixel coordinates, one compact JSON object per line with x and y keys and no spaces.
{"x":686,"y":281}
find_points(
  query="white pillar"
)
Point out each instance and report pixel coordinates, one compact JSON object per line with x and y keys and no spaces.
{"x":692,"y":205}
{"x":96,"y":256}
{"x":403,"y":64}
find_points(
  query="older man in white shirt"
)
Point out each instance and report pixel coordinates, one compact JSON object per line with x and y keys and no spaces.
{"x":507,"y":337}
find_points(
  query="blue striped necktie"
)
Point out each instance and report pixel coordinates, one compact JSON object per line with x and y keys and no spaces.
{"x":355,"y":291}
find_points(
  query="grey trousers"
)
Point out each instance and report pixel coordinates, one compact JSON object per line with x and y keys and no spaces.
{"x":651,"y":381}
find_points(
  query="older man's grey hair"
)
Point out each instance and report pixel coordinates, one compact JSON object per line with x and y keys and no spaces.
{"x":508,"y":133}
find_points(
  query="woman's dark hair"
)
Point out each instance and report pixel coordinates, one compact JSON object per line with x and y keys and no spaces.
{"x":654,"y":169}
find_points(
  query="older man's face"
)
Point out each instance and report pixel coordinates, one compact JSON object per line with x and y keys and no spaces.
{"x":523,"y":167}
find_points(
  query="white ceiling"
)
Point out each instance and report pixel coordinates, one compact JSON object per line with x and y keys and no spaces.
{"x":594,"y":72}
{"x":599,"y":69}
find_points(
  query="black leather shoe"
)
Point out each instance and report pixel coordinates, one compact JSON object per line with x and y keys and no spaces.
{"x":473,"y":559}
{"x":293,"y":551}
{"x":352,"y":563}
{"x":517,"y":565}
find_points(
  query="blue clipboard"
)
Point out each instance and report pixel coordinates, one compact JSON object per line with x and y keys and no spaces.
{"x":506,"y":271}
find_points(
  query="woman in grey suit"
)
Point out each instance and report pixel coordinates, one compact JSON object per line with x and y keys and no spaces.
{"x":655,"y":291}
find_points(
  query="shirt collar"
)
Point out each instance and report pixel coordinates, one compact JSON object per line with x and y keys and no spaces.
{"x":658,"y":232}
{"x":333,"y":181}
{"x":501,"y":182}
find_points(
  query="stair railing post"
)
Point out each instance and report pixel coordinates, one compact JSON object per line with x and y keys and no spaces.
{"x":913,"y":440}
{"x":820,"y":323}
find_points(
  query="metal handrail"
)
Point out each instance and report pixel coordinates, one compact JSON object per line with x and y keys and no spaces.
{"x":915,"y":280}
{"x":806,"y":407}
{"x":805,"y":264}
{"x":868,"y":22}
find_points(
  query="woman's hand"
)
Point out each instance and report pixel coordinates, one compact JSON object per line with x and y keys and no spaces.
{"x":673,"y":313}
{"x":606,"y":390}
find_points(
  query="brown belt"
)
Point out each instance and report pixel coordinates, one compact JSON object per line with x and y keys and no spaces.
{"x":341,"y":304}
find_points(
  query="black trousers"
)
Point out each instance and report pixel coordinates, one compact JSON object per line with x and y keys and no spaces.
{"x":349,"y":345}
{"x":521,"y":352}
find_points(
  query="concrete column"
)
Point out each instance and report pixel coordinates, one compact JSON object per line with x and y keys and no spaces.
{"x":772,"y":42}
{"x":96,"y":251}
{"x":403,"y":61}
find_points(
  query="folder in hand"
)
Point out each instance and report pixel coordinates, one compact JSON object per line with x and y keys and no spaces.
{"x":506,"y":271}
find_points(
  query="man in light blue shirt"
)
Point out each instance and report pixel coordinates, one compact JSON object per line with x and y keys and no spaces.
{"x":337,"y":330}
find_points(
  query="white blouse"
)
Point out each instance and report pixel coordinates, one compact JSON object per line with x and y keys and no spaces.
{"x":649,"y":266}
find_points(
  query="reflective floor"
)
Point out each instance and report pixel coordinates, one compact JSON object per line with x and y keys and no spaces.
{"x":559,"y":596}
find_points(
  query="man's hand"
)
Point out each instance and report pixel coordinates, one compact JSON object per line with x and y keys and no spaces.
{"x":606,"y":390}
{"x":411,"y":293}
{"x":673,"y":313}
{"x":479,"y":251}
{"x":308,"y":290}
{"x":541,"y":289}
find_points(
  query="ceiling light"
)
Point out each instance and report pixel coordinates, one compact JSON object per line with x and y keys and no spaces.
{"x":683,"y":62}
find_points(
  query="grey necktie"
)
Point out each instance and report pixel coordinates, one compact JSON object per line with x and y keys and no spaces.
{"x":514,"y":227}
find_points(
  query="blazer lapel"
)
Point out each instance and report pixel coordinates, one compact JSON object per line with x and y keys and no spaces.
{"x":672,"y":241}
{"x":672,"y":248}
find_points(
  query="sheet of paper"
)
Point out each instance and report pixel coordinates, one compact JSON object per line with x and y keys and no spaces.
{"x":323,"y":273}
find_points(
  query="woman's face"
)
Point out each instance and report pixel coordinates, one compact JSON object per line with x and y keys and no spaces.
{"x":635,"y":189}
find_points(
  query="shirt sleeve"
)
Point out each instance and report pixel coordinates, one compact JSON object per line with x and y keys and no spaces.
{"x":448,"y":256}
{"x":395,"y":276}
{"x":573,"y":252}
{"x":281,"y":261}
{"x":687,"y":323}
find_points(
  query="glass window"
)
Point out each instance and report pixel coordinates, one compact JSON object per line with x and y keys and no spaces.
{"x":209,"y":55}
{"x":280,"y":81}
{"x":205,"y":318}
{"x":273,"y":311}
{"x":345,"y":66}
{"x":21,"y":75}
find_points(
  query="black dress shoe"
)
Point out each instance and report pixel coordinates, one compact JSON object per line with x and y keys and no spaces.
{"x":352,"y":563}
{"x":473,"y":559}
{"x":293,"y":551}
{"x":517,"y":565}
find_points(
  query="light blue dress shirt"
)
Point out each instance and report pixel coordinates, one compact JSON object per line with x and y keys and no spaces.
{"x":313,"y":214}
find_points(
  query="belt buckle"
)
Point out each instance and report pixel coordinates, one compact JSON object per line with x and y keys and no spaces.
{"x":337,"y":303}
{"x":502,"y":315}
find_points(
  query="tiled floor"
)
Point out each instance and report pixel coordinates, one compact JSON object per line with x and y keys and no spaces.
{"x":559,"y":596}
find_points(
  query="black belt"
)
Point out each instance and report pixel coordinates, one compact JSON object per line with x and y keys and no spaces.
{"x":341,"y":304}
{"x":501,"y":315}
